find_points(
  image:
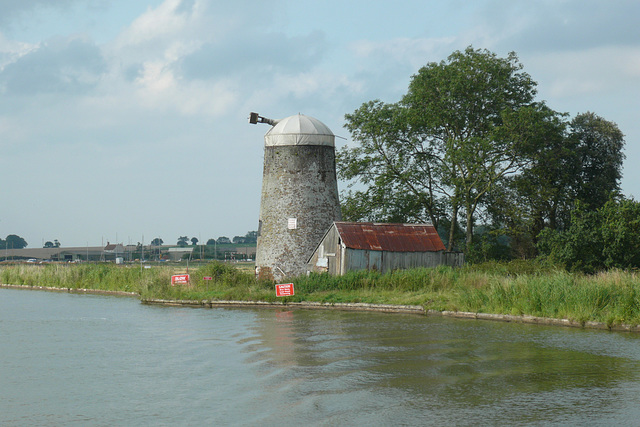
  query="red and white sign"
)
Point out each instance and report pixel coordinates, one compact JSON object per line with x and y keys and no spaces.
{"x":180,"y":279}
{"x":207,"y":278}
{"x":284,"y":290}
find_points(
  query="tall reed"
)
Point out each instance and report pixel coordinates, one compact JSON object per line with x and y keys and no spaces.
{"x":106,"y":277}
{"x":522,"y":288}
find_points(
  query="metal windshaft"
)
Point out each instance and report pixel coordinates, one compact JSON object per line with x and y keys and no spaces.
{"x":255,"y":118}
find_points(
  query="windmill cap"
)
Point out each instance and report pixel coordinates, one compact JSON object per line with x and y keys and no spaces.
{"x":299,"y":130}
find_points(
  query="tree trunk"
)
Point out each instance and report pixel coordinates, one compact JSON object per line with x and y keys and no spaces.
{"x":452,"y":228}
{"x":553,"y":216}
{"x":538,"y":225}
{"x":469,"y":229}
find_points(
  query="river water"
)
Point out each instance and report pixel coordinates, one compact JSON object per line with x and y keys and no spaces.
{"x":91,"y":360}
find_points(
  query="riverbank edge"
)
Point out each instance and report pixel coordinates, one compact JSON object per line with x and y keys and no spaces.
{"x":387,"y":308}
{"x":72,"y":290}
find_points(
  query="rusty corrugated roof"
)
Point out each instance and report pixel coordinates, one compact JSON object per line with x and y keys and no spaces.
{"x":390,"y":237}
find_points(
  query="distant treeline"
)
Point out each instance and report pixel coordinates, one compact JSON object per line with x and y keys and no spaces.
{"x":250,"y":237}
{"x":13,"y":241}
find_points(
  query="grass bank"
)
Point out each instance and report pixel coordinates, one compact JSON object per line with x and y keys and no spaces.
{"x":102,"y":277}
{"x":516,"y":288}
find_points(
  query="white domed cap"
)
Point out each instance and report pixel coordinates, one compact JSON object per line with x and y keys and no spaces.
{"x":299,"y":130}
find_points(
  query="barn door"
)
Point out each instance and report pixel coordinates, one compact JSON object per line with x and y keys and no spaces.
{"x":375,"y":260}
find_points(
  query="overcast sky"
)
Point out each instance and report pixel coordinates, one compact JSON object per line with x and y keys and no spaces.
{"x":128,"y":118}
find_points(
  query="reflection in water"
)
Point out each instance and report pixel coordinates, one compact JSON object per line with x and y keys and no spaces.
{"x":88,"y":360}
{"x":443,"y":370}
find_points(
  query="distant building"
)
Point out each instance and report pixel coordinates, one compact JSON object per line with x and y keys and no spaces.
{"x":246,"y":252}
{"x":84,"y":253}
{"x":176,"y":254}
{"x":118,"y":253}
{"x":349,"y":246}
{"x":113,"y":251}
{"x":112,"y":248}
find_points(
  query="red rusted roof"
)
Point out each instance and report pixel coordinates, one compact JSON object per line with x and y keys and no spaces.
{"x":390,"y":237}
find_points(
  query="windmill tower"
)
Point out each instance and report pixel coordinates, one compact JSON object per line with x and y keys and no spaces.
{"x":299,"y":193}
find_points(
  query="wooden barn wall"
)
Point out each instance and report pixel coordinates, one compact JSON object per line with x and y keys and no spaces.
{"x":327,"y":255}
{"x":384,"y":261}
{"x":358,"y":259}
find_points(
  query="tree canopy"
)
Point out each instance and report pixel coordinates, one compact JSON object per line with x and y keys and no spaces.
{"x":250,"y":237}
{"x":13,"y":241}
{"x":607,"y":237}
{"x":468,"y":141}
{"x":446,"y":143}
{"x":598,"y":149}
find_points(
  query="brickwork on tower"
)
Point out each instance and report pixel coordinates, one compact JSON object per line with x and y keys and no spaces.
{"x":299,"y":204}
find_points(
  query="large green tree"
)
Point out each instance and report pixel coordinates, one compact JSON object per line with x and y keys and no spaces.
{"x":524,"y":203}
{"x":598,"y":148}
{"x":399,"y":184}
{"x":607,"y":237}
{"x":570,"y":161}
{"x":13,"y":241}
{"x":445,"y":145}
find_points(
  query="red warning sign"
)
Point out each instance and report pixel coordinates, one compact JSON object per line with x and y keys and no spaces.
{"x":284,"y":290}
{"x":180,"y":279}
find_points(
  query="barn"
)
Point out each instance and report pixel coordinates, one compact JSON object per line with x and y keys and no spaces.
{"x":349,"y":246}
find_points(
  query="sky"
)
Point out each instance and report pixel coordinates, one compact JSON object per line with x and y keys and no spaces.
{"x":126,"y":120}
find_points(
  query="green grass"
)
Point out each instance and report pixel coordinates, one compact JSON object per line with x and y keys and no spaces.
{"x":105,"y":277}
{"x":517,"y":288}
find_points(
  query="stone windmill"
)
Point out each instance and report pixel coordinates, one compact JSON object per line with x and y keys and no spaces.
{"x":299,"y":194}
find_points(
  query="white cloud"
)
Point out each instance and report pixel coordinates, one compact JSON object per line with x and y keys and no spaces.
{"x":155,"y":77}
{"x":413,"y":51}
{"x":161,"y":23}
{"x":592,"y":72}
{"x":11,"y":50}
{"x":12,"y":10}
{"x":551,"y":25}
{"x":160,"y":90}
{"x":70,"y":65}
